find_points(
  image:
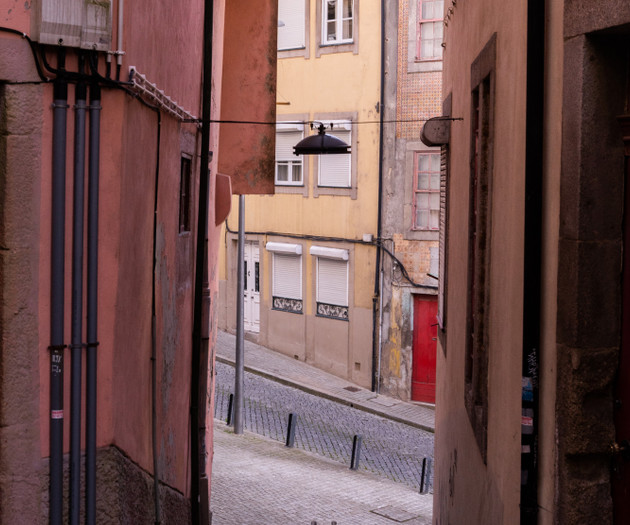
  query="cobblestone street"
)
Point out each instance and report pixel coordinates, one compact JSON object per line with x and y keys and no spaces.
{"x":390,"y":449}
{"x":259,"y":481}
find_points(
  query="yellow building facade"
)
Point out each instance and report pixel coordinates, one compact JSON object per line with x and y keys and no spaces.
{"x":310,"y":250}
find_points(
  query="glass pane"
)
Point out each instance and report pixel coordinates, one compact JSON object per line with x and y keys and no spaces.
{"x":427,"y":30}
{"x":435,"y":163}
{"x":427,"y":10}
{"x":347,"y":9}
{"x":439,"y":8}
{"x":422,"y":201}
{"x":435,"y":181}
{"x":438,"y":29}
{"x":330,"y":13}
{"x":282,"y":172}
{"x":423,"y":181}
{"x":434,"y":199}
{"x":347,"y":29}
{"x":434,"y":219}
{"x":422,"y":218}
{"x":332,"y":35}
{"x":257,"y":277}
{"x":296,"y":173}
{"x":423,"y":163}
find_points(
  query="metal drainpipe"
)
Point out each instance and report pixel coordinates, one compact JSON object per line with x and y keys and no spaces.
{"x":377,"y":272}
{"x":156,"y":473}
{"x":200,"y":358}
{"x":77,"y":299}
{"x":92,"y":304}
{"x":532,"y":271}
{"x":57,"y":271}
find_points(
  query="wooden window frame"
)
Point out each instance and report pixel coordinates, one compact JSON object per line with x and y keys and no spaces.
{"x":479,"y":240}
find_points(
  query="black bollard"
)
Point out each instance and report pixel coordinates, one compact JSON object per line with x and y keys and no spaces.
{"x":425,"y":479}
{"x":291,"y":430}
{"x":356,"y":452}
{"x":230,"y":406}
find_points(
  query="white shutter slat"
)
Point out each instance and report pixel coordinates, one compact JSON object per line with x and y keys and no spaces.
{"x":291,"y":34}
{"x":285,"y":140}
{"x":334,"y":170}
{"x":287,"y":276}
{"x":332,"y":281}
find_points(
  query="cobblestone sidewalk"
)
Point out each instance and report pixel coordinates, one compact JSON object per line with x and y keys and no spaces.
{"x":257,"y":481}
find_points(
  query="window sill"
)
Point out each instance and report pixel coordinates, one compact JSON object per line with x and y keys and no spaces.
{"x":424,"y":66}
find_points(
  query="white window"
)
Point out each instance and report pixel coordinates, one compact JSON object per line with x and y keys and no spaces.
{"x":430,"y":29}
{"x":426,"y":190}
{"x":335,"y":170}
{"x":288,"y":165}
{"x":337,"y":21}
{"x":286,"y":278}
{"x":291,"y":24}
{"x":331,"y":282}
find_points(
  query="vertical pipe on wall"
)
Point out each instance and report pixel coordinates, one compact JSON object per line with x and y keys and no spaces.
{"x":379,"y":211}
{"x":200,"y":358}
{"x":57,"y":271}
{"x":154,"y":444}
{"x":240,"y":343}
{"x":92,"y":304}
{"x":77,"y":300}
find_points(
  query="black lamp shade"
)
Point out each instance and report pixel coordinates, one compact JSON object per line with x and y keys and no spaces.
{"x":321,"y":144}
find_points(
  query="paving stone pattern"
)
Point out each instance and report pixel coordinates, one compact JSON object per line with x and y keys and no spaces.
{"x":390,"y":449}
{"x":256,"y":480}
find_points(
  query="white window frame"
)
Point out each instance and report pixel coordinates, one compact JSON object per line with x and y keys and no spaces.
{"x":338,"y":20}
{"x":292,"y":34}
{"x":345,"y":126}
{"x":432,"y":191}
{"x":436,"y":22}
{"x":291,"y":160}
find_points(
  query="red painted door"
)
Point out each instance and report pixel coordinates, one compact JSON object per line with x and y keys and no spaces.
{"x":424,"y":346}
{"x":621,"y":460}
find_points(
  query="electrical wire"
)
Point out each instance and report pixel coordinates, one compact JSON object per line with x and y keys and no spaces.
{"x":376,"y":243}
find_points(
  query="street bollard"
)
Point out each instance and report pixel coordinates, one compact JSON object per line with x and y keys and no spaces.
{"x":356,"y":452}
{"x":230,"y":406}
{"x":425,"y":479}
{"x":291,"y":430}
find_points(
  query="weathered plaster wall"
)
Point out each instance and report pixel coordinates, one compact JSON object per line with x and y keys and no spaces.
{"x":469,"y":490}
{"x":413,"y":93}
{"x":21,"y":471}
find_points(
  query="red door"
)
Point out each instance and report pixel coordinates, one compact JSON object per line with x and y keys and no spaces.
{"x":621,"y":461}
{"x":424,"y":345}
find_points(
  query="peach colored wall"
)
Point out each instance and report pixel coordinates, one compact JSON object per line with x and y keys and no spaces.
{"x":467,"y":490}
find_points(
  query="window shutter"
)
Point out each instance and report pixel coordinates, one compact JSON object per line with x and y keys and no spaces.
{"x":285,"y":140}
{"x":287,"y":276}
{"x":334,"y":170}
{"x":291,"y":34}
{"x":441,"y":316}
{"x":332,"y":281}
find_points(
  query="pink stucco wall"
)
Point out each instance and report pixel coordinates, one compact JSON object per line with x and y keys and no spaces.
{"x":164,"y":44}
